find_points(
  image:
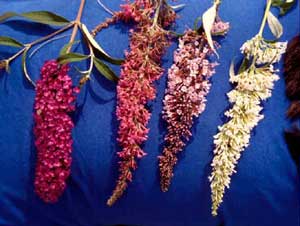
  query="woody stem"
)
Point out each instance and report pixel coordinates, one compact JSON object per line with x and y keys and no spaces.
{"x":77,"y":23}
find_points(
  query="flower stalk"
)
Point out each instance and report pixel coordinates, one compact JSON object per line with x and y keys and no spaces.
{"x":77,"y":23}
{"x":264,"y":21}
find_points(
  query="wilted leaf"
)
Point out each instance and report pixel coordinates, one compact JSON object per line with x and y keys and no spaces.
{"x":43,"y":17}
{"x":208,"y":19}
{"x":7,"y":41}
{"x":4,"y":64}
{"x":24,"y":66}
{"x":7,"y":68}
{"x":283,"y":5}
{"x":275,"y":25}
{"x":98,"y":49}
{"x":71,"y":57}
{"x":231,"y":70}
{"x":105,"y":70}
{"x":178,"y":7}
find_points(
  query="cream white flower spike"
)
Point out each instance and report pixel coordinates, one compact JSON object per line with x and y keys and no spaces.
{"x":253,"y":84}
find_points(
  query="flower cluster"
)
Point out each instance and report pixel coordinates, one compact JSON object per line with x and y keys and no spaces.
{"x":135,"y":89}
{"x":219,"y":27}
{"x":266,"y":51}
{"x":135,"y":11}
{"x":54,"y":102}
{"x":253,"y":85}
{"x":185,"y":98}
{"x":139,"y":11}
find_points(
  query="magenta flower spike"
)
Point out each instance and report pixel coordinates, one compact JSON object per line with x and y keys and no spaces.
{"x":54,"y":101}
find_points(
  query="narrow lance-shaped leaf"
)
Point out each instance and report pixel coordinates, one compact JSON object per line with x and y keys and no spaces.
{"x":81,"y":71}
{"x":208,"y":19}
{"x":196,"y":22}
{"x":7,"y":15}
{"x":7,"y":41}
{"x":177,"y":7}
{"x":275,"y":25}
{"x":24,"y":66}
{"x":105,"y":70}
{"x":244,"y":65}
{"x":98,"y":48}
{"x":270,"y":41}
{"x":44,"y":17}
{"x":71,"y":57}
{"x":231,"y":70}
{"x":64,"y":49}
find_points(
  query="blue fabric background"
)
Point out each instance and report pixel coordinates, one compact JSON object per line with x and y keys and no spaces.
{"x":264,"y":192}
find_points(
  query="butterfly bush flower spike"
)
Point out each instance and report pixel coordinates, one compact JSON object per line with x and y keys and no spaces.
{"x":54,"y":101}
{"x":185,"y":98}
{"x":253,"y":85}
{"x":142,"y":67}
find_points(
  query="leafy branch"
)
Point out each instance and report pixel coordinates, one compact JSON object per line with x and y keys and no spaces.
{"x":96,"y":53}
{"x":26,"y":47}
{"x":276,"y":28}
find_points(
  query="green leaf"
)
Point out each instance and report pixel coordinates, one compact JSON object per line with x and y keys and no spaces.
{"x":81,"y":72}
{"x":244,"y":65}
{"x":7,"y":15}
{"x":71,"y":57}
{"x":64,"y":49}
{"x":196,"y":22}
{"x":270,"y":41}
{"x":44,"y":17}
{"x":111,"y":60}
{"x":208,"y":19}
{"x":283,"y":5}
{"x":98,"y":50}
{"x":7,"y":41}
{"x":275,"y":25}
{"x":24,"y":66}
{"x":105,"y":70}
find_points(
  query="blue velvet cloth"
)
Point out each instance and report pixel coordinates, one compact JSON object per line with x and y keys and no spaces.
{"x":264,"y":192}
